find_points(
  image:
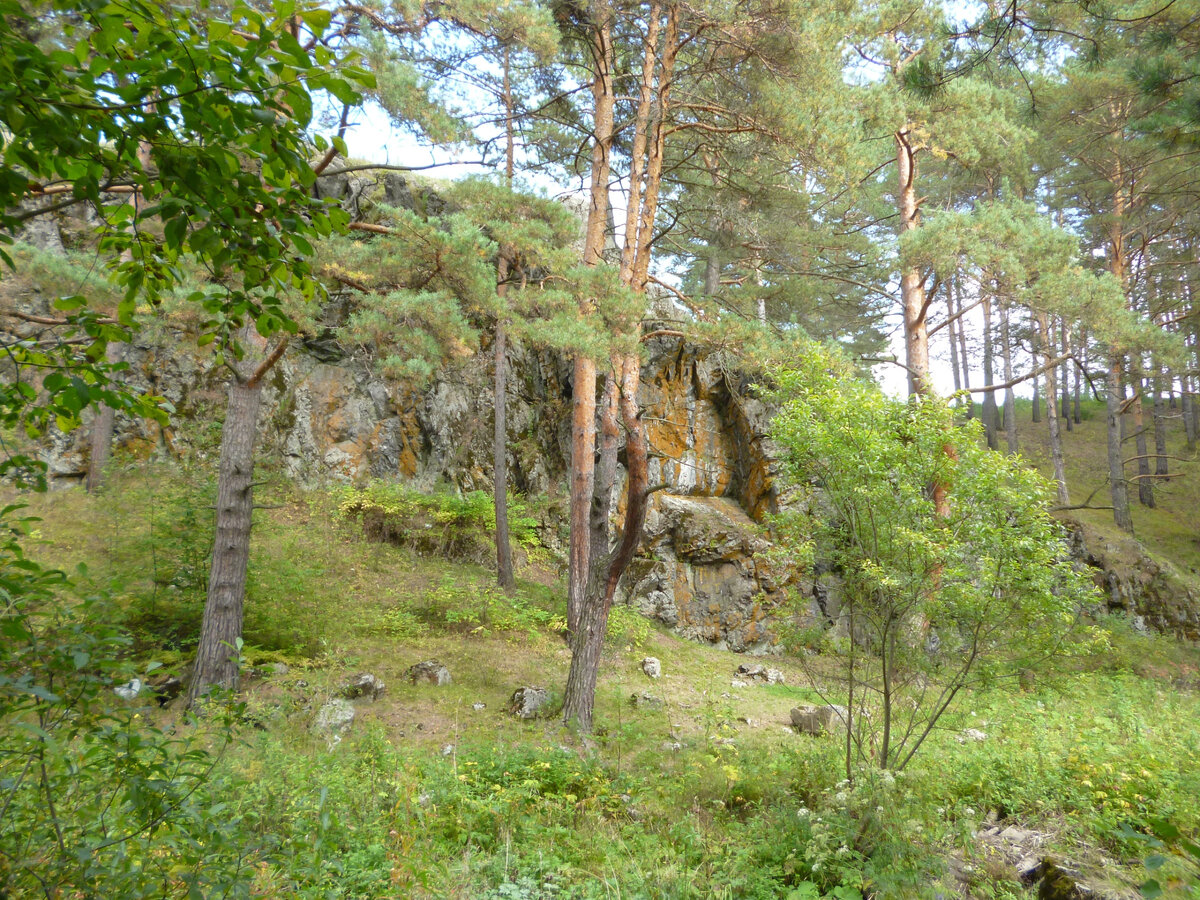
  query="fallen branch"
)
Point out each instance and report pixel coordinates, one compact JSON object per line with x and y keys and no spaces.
{"x":989,"y":388}
{"x":46,"y":320}
{"x":1159,"y":456}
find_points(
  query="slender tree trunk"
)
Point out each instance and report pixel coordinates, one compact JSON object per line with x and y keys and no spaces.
{"x":1117,"y":486}
{"x":504,"y":564}
{"x":1187,"y":402}
{"x":1144,"y":485}
{"x":989,"y":398}
{"x":1066,"y":379}
{"x":1037,"y":400}
{"x":583,"y":472}
{"x":1114,"y":384}
{"x":102,"y":428}
{"x":952,"y":330}
{"x":1161,"y":464}
{"x":962,"y":351}
{"x":1079,"y":376}
{"x":912,"y":287}
{"x":1010,"y":400}
{"x":217,"y":660}
{"x":1056,"y":450}
{"x":583,"y":388}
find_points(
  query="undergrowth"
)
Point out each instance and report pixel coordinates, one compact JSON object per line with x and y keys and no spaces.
{"x":703,"y":795}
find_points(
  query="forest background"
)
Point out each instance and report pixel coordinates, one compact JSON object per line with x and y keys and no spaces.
{"x":788,"y":178}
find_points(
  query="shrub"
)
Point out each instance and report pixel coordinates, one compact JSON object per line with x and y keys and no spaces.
{"x":444,"y":525}
{"x":94,"y":800}
{"x":952,"y":570}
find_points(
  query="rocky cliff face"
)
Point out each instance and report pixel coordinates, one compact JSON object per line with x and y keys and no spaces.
{"x":1148,"y":590}
{"x":329,"y":416}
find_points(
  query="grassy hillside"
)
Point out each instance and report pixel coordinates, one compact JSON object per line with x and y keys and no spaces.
{"x":1171,"y":529}
{"x":701,"y":792}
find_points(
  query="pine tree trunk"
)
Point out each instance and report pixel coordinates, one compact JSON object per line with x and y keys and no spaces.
{"x":952,"y":330}
{"x":504,"y":564}
{"x":217,"y":655}
{"x":1114,"y":384}
{"x":1010,"y":400}
{"x":1079,"y":377}
{"x":1066,"y":380}
{"x":1187,"y":401}
{"x":712,"y":273}
{"x":583,"y":472}
{"x":1056,"y":450}
{"x":912,"y":290}
{"x":1161,"y":464}
{"x":1145,"y":487}
{"x":1117,"y":486}
{"x":583,"y":391}
{"x":962,"y":353}
{"x":588,"y":638}
{"x":989,"y":399}
{"x":649,"y":137}
{"x":100,"y":450}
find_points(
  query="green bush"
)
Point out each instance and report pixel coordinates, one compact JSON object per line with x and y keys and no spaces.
{"x":444,"y":525}
{"x":952,"y":571}
{"x":95,"y":800}
{"x":485,"y":608}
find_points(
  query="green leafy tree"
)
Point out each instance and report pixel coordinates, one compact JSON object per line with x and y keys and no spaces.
{"x":931,"y":603}
{"x":185,"y":131}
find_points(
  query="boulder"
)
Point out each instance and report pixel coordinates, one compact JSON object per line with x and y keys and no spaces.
{"x":756,"y":672}
{"x":652,"y":667}
{"x":700,"y":572}
{"x":528,"y":702}
{"x":167,"y":689}
{"x":334,"y":720}
{"x":811,"y":719}
{"x":129,"y":690}
{"x":363,"y":685}
{"x":430,"y":672}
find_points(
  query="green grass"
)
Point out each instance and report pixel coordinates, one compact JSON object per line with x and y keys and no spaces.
{"x":709,"y":795}
{"x":1169,"y":530}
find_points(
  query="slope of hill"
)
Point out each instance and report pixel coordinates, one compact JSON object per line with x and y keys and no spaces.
{"x":694,"y":785}
{"x":1170,"y":529}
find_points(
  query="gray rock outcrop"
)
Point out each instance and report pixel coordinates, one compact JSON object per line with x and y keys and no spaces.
{"x":363,"y":685}
{"x":334,"y":720}
{"x":528,"y":702}
{"x":429,"y":672}
{"x":812,"y":719}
